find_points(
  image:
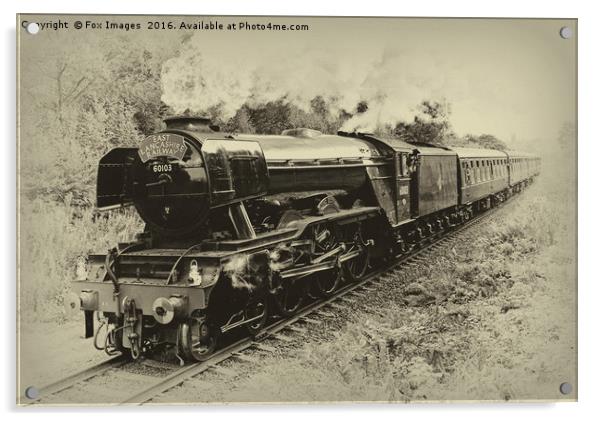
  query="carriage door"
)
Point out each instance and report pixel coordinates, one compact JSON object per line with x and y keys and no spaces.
{"x":403,"y":168}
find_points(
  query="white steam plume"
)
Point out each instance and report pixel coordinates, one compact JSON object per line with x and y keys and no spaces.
{"x":392,"y":82}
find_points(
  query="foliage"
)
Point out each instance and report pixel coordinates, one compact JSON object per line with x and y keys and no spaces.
{"x":110,"y":98}
{"x":76,"y":104}
{"x":53,"y":238}
{"x":275,"y":116}
{"x":430,"y":125}
{"x":485,"y":141}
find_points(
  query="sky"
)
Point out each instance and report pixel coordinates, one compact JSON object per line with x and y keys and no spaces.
{"x":513,"y":78}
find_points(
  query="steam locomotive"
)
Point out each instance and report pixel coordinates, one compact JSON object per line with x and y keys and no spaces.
{"x":242,"y":227}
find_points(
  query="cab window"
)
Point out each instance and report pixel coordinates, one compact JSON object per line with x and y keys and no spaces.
{"x":404,"y":165}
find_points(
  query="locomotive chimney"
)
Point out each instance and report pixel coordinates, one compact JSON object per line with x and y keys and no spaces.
{"x":190,"y":123}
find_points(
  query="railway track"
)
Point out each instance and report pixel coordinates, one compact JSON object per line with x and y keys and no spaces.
{"x":149,"y":387}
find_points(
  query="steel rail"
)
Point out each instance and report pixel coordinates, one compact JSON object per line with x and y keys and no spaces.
{"x":73,"y":379}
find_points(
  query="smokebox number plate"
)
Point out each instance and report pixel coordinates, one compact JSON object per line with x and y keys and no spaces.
{"x":164,"y":144}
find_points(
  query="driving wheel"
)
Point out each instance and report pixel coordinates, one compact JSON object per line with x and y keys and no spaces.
{"x":289,"y":297}
{"x":356,"y":267}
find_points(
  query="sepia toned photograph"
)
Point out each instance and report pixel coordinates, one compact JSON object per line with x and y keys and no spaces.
{"x":314,"y":210}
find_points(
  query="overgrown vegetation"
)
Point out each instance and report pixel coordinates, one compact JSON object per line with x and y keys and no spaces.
{"x":54,"y":237}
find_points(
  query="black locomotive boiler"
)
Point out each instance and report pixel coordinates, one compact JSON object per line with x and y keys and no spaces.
{"x":239,"y":227}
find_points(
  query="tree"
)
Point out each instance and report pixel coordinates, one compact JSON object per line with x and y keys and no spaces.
{"x":271,"y":118}
{"x":241,"y":122}
{"x":362,"y":107}
{"x":431,"y":125}
{"x":485,"y":141}
{"x":319,"y":107}
{"x":104,"y":92}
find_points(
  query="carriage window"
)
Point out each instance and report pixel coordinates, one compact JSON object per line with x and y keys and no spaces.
{"x":473,"y":175}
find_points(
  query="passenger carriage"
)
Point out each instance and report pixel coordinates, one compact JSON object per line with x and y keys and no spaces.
{"x":522,"y":168}
{"x":482,"y":173}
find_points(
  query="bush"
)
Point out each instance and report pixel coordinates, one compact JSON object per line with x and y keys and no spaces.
{"x":53,"y":236}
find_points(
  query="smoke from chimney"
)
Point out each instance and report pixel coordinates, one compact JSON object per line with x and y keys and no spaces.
{"x":392,"y":82}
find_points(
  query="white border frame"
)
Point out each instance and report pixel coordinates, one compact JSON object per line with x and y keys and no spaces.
{"x":589,"y":151}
